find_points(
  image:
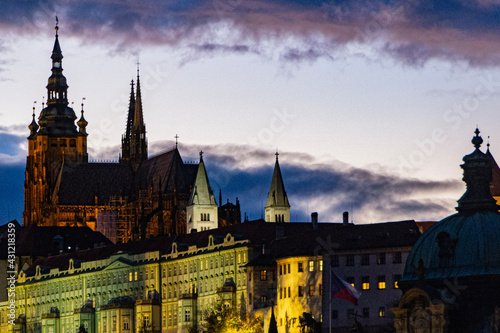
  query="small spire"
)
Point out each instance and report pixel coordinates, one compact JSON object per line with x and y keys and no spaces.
{"x":33,"y":127}
{"x":176,"y":143}
{"x":201,"y":155}
{"x":488,"y":144}
{"x":82,"y":123}
{"x":277,"y":154}
{"x":57,"y":26}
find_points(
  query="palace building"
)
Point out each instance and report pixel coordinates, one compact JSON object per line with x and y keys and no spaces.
{"x":136,"y":198}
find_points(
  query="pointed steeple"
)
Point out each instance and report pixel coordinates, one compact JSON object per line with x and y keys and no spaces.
{"x":138,"y":117}
{"x":277,"y":207}
{"x":202,"y":210}
{"x":128,"y":129}
{"x":202,"y":192}
{"x":134,"y":142}
{"x":478,"y":176}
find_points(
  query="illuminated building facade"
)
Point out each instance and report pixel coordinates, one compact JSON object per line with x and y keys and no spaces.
{"x":167,"y":284}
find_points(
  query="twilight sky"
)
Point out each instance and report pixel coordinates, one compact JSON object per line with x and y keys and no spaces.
{"x":372,"y":104}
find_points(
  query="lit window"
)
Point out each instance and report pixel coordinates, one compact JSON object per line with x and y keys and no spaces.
{"x":263,"y":275}
{"x":381,"y":282}
{"x":311,"y":265}
{"x":365,"y":282}
{"x":321,"y":265}
{"x":263,"y":299}
{"x":135,"y":276}
{"x":396,"y":278}
{"x":381,"y":311}
{"x":301,"y":269}
{"x":130,"y":276}
{"x":311,"y":290}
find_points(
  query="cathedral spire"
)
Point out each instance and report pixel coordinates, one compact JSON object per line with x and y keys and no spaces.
{"x":57,"y":118}
{"x":138,"y":117}
{"x":57,"y":87}
{"x":134,"y":143}
{"x":277,"y":206}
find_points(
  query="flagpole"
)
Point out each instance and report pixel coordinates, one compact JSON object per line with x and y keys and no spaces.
{"x":330,"y":296}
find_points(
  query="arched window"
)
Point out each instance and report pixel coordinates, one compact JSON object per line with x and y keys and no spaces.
{"x":208,"y":217}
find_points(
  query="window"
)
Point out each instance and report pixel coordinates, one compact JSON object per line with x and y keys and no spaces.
{"x":366,"y":312}
{"x":396,"y":279}
{"x":130,"y":277}
{"x":350,"y":260}
{"x":281,"y":269}
{"x":365,"y":283}
{"x":321,"y":265}
{"x":187,"y":315}
{"x":320,"y":289}
{"x":289,"y":294}
{"x":335,"y":261}
{"x":381,"y":282}
{"x":381,"y":259}
{"x":350,"y":279}
{"x":250,"y":298}
{"x":281,"y":293}
{"x":397,"y":257}
{"x":381,"y":311}
{"x":263,"y":299}
{"x":311,"y":290}
{"x":135,"y":276}
{"x":263,"y":275}
{"x":335,"y":314}
{"x":311,"y":265}
{"x":113,"y":327}
{"x":146,"y":275}
{"x":301,"y":291}
{"x":301,"y":269}
{"x":365,"y":259}
{"x":288,"y":268}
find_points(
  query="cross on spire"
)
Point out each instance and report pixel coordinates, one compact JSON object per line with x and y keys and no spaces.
{"x":277,"y":154}
{"x":201,"y":155}
{"x":176,"y":143}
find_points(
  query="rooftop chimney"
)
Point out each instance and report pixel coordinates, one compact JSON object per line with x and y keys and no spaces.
{"x":314,"y":220}
{"x":345,"y":220}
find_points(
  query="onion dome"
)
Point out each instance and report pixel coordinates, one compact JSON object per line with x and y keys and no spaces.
{"x":82,"y":123}
{"x":33,"y":127}
{"x":467,"y":243}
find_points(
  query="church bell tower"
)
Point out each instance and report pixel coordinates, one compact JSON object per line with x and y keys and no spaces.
{"x":55,"y":140}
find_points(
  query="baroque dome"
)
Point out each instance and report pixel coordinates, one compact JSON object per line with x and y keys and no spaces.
{"x":468,"y":242}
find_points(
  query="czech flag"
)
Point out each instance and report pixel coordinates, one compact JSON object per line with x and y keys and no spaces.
{"x":343,"y":289}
